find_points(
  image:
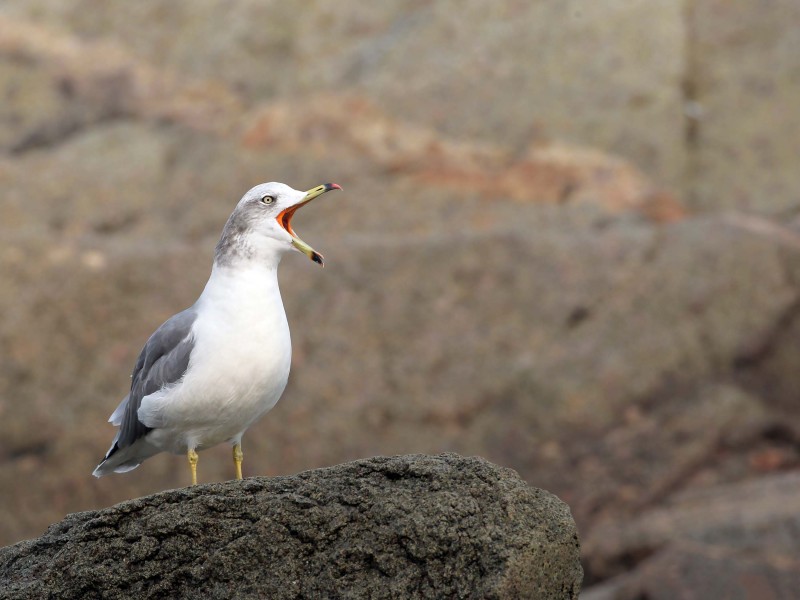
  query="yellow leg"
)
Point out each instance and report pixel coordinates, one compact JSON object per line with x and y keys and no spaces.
{"x":237,"y":459}
{"x":192,"y":456}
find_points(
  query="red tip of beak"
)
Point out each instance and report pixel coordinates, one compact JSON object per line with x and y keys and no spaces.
{"x":332,"y":186}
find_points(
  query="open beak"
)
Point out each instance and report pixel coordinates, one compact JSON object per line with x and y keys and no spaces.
{"x":285,"y":220}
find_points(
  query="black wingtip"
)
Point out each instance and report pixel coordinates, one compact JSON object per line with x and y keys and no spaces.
{"x":111,"y":451}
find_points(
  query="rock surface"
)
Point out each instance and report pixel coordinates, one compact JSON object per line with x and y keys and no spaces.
{"x":699,"y":94}
{"x":743,"y":83}
{"x":699,"y":571}
{"x":506,"y":72}
{"x":493,"y":287}
{"x":728,"y":541}
{"x":402,"y":527}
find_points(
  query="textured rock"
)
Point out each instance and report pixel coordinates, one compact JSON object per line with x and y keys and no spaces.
{"x":758,"y":517}
{"x":547,"y":173}
{"x":76,"y":87}
{"x":697,"y":572}
{"x":701,"y":94}
{"x":54,"y":85}
{"x":607,"y":358}
{"x":410,"y":526}
{"x":738,"y":540}
{"x":606,"y":73}
{"x":745,"y":83}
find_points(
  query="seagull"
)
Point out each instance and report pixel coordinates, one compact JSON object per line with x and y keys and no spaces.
{"x":209,"y":372}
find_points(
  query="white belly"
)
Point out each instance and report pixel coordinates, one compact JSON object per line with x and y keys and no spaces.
{"x":237,"y":372}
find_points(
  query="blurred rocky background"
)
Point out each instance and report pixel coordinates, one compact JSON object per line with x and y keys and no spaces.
{"x":568,"y":242}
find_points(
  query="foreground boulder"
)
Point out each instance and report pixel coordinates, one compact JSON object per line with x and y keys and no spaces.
{"x":405,"y":527}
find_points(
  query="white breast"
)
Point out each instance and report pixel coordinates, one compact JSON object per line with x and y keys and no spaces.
{"x":239,"y":365}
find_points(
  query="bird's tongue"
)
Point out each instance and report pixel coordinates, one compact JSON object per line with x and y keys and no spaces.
{"x":285,"y":220}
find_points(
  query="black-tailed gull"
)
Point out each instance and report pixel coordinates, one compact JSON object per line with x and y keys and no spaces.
{"x":209,"y":372}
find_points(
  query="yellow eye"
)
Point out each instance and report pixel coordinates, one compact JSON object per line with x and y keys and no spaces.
{"x":267,"y":199}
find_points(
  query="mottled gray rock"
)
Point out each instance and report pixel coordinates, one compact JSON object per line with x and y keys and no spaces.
{"x":411,"y":526}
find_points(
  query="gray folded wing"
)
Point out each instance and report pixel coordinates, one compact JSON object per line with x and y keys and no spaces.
{"x":163,"y":361}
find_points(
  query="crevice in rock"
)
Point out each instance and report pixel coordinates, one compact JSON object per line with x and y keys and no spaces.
{"x":57,"y":132}
{"x":767,"y":345}
{"x":760,"y":367}
{"x":36,"y":449}
{"x":117,"y":223}
{"x":577,"y":316}
{"x":616,"y":566}
{"x":781,"y":433}
{"x":691,"y":106}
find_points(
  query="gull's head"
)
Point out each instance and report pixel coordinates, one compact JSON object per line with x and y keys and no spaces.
{"x":260,"y":227}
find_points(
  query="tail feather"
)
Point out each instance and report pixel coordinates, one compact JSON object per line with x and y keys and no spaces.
{"x":122,"y":460}
{"x":105,"y":469}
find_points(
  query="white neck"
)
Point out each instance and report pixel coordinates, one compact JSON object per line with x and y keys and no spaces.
{"x":241,"y":307}
{"x":242,"y":301}
{"x":243,"y":293}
